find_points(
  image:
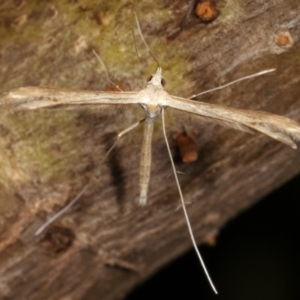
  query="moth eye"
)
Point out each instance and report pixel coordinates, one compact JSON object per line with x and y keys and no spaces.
{"x":163,"y":82}
{"x":149,"y":78}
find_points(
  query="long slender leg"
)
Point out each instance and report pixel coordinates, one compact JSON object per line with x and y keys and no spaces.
{"x":233,"y":82}
{"x":67,"y":207}
{"x":183,"y":206}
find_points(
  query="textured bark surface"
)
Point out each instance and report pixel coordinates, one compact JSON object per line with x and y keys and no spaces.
{"x":107,"y":244}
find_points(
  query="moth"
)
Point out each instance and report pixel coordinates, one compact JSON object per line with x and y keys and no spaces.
{"x":153,"y":99}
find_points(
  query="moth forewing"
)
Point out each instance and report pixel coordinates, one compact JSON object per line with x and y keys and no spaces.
{"x":27,"y":98}
{"x":280,"y":128}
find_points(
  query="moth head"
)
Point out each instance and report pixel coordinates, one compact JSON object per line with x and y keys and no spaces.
{"x":156,"y":79}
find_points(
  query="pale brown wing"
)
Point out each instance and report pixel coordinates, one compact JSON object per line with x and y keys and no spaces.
{"x":27,"y":98}
{"x":280,"y":128}
{"x":194,"y":119}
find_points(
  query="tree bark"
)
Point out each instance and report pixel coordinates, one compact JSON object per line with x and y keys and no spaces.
{"x":107,"y":244}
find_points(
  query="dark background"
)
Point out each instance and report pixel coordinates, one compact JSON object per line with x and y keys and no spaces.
{"x":256,"y":257}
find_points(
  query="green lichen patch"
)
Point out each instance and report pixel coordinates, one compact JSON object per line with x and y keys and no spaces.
{"x":40,"y":145}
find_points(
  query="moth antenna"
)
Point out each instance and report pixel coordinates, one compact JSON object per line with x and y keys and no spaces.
{"x":137,"y":52}
{"x":106,"y":71}
{"x":135,"y":47}
{"x":183,"y":206}
{"x":143,"y":39}
{"x":233,"y":82}
{"x":82,"y":191}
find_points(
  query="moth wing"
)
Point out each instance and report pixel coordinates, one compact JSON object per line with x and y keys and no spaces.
{"x":279,"y":128}
{"x":29,"y":98}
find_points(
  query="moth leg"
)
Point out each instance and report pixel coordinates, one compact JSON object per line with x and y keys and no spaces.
{"x":188,"y":223}
{"x":82,"y":191}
